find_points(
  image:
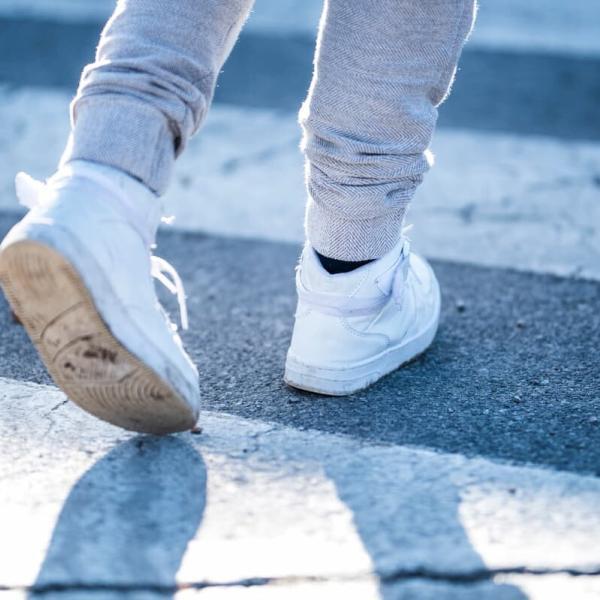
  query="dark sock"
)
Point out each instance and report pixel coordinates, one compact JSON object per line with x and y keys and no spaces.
{"x":334,"y":266}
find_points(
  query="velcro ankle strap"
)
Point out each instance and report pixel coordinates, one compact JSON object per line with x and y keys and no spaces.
{"x":344,"y":306}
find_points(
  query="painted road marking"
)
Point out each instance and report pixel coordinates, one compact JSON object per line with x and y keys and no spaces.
{"x":248,"y":499}
{"x":486,"y":199}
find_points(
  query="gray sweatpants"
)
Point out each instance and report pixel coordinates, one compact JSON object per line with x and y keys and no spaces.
{"x":382,"y":67}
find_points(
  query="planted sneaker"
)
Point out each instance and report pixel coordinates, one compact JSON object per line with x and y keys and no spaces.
{"x":78,"y":273}
{"x":353,"y":328}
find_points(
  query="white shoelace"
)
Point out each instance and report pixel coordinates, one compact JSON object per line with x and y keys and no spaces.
{"x":159,"y":266}
{"x":32,"y":193}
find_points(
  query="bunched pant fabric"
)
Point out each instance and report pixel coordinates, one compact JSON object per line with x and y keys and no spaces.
{"x":382,"y":68}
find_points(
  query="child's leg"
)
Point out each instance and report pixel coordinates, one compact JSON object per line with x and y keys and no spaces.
{"x":152,"y":83}
{"x":382,"y":68}
{"x":77,"y":269}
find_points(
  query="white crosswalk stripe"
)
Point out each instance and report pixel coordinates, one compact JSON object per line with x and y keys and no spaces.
{"x":487,"y":197}
{"x":451,"y":514}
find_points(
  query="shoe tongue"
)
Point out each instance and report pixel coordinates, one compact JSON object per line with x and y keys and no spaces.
{"x":367,"y":281}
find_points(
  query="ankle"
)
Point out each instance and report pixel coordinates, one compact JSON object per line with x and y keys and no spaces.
{"x":335,"y":267}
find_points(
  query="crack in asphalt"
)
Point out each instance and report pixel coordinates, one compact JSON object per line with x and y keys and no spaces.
{"x":479,"y":575}
{"x":49,"y":416}
{"x":470,"y":577}
{"x":56,"y":407}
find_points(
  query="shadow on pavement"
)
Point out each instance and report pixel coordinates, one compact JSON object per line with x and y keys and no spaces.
{"x":127,"y":520}
{"x":404,"y":517}
{"x":126,"y":525}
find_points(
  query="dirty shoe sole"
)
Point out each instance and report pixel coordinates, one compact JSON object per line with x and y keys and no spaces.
{"x":84,"y":358}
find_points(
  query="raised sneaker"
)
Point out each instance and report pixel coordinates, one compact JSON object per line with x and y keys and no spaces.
{"x":78,"y":273}
{"x":353,"y":328}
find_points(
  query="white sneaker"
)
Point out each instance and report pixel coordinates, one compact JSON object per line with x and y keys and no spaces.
{"x":353,"y":328}
{"x":77,"y":271}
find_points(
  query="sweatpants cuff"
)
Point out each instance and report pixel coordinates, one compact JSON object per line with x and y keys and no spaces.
{"x":124,"y":133}
{"x":355,"y":239}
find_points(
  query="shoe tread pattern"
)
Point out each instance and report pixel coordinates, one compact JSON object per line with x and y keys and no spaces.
{"x":81,"y":354}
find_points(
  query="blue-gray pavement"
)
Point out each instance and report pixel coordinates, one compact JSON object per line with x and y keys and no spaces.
{"x":513,"y":373}
{"x":496,"y":90}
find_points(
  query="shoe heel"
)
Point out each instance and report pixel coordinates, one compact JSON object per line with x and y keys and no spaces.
{"x":83,"y":357}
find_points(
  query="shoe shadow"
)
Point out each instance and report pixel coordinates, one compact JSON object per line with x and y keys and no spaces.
{"x":128,"y":520}
{"x":127,"y":523}
{"x":407,"y":516}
